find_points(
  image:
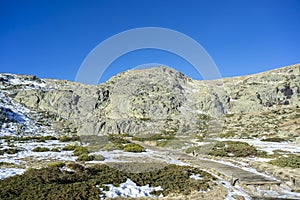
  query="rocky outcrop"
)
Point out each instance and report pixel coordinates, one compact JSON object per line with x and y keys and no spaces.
{"x":160,"y":99}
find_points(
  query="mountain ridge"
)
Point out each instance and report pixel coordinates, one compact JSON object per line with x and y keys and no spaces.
{"x":141,"y":101}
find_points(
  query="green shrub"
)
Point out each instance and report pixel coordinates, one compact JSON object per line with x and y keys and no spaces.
{"x":4,"y":163}
{"x":27,"y":138}
{"x":70,"y":147}
{"x":112,"y":147}
{"x":9,"y":151}
{"x":40,"y":149}
{"x":275,"y":139}
{"x":54,"y":183}
{"x":85,"y":157}
{"x":227,"y":135}
{"x":57,"y":164}
{"x":55,"y":149}
{"x":233,"y":148}
{"x":80,"y":150}
{"x":117,"y":139}
{"x":292,"y":161}
{"x":99,"y":157}
{"x":69,"y":139}
{"x":153,"y":137}
{"x":133,"y":148}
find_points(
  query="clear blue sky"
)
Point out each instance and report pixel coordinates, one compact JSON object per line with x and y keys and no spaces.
{"x":51,"y":38}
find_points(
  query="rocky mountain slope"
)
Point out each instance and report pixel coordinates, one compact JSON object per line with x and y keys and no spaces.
{"x":162,"y":100}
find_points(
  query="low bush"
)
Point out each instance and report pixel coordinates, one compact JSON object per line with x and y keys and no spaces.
{"x":154,"y":137}
{"x":69,"y":138}
{"x":55,"y":149}
{"x":99,"y":157}
{"x":70,"y":147}
{"x":9,"y":151}
{"x":40,"y":149}
{"x":80,"y":150}
{"x":85,"y":157}
{"x":55,"y":183}
{"x":27,"y":138}
{"x":57,"y":164}
{"x":274,"y":139}
{"x":292,"y":161}
{"x":112,"y":147}
{"x":228,"y":135}
{"x":133,"y":148}
{"x":233,"y":148}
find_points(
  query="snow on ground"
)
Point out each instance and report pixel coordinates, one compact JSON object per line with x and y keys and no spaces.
{"x":196,"y":176}
{"x":7,"y":172}
{"x":120,"y":156}
{"x":26,"y":152}
{"x":129,"y":189}
{"x":269,"y":146}
{"x":18,"y":115}
{"x":13,"y":79}
{"x":234,"y":190}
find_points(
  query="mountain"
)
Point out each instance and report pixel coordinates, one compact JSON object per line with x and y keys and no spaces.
{"x":160,"y":100}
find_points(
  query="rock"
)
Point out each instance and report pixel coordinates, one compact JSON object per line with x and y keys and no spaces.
{"x":162,"y":100}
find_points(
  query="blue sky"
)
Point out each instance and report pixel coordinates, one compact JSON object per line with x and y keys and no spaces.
{"x":51,"y":38}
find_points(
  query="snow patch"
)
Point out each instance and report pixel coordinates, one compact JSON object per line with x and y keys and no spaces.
{"x":7,"y":172}
{"x":130,"y":189}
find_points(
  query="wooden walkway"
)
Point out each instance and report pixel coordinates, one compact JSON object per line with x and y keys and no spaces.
{"x":244,"y":176}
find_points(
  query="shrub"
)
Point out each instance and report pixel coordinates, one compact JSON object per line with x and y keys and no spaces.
{"x":154,"y":137}
{"x":133,"y":148}
{"x":80,"y":150}
{"x":54,"y":183}
{"x":57,"y":164}
{"x":9,"y":151}
{"x":117,"y":139}
{"x":55,"y":149}
{"x":69,"y":139}
{"x":275,"y":139}
{"x":233,"y":148}
{"x":70,"y":147}
{"x":99,"y":157}
{"x":227,"y":135}
{"x":292,"y":161}
{"x":4,"y":163}
{"x":111,"y":147}
{"x":85,"y":157}
{"x":40,"y":149}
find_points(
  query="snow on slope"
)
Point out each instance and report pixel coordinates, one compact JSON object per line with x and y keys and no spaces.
{"x":129,"y":189}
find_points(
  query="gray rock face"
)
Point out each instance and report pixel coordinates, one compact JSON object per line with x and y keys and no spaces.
{"x":160,"y":100}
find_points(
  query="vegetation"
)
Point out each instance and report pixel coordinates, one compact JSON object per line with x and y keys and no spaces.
{"x":233,"y":148}
{"x":292,"y":161}
{"x":274,"y":139}
{"x":9,"y":151}
{"x":85,"y":157}
{"x":55,"y":149}
{"x":80,"y":150}
{"x":55,"y":183}
{"x":69,"y":138}
{"x":70,"y":147}
{"x":154,"y":137}
{"x":228,"y":135}
{"x":99,"y":157}
{"x":27,"y":138}
{"x":133,"y":148}
{"x":40,"y":149}
{"x":4,"y":163}
{"x":160,"y":139}
{"x":57,"y":164}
